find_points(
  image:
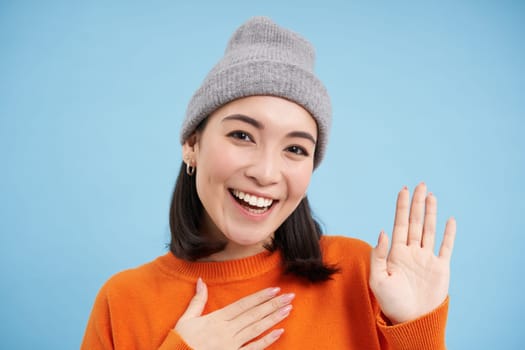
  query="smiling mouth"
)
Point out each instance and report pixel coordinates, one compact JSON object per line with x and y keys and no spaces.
{"x":252,"y":203}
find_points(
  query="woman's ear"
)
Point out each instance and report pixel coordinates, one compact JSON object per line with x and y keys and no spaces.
{"x":192,"y":139}
{"x":188,"y":149}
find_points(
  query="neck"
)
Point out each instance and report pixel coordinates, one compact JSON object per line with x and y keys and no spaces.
{"x":234,"y":251}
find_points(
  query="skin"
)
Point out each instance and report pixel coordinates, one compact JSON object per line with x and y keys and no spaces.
{"x":274,"y":159}
{"x":260,"y":145}
{"x":410,"y":280}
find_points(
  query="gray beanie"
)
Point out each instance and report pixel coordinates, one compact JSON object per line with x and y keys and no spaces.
{"x":263,"y":58}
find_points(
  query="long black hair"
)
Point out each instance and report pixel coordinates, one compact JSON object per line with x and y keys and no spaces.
{"x":297,"y":238}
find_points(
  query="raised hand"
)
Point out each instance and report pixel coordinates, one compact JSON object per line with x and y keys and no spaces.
{"x":236,"y":325}
{"x":410,"y":280}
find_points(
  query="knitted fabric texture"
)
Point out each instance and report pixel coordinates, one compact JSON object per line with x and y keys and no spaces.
{"x":138,"y":308}
{"x":263,"y":58}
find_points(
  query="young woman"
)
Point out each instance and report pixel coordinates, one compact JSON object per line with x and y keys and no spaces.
{"x":248,"y":267}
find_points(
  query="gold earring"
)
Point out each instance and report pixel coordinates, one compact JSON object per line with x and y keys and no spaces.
{"x":190,"y":169}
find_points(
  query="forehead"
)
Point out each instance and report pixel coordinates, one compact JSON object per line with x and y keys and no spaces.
{"x":272,"y":112}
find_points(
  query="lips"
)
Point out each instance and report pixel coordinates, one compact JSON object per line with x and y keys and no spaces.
{"x":252,"y":203}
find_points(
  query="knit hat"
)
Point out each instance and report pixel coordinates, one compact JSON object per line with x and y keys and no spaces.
{"x":263,"y":58}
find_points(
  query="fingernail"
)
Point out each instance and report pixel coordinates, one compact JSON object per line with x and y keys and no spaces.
{"x":285,"y":311}
{"x":405,"y":188}
{"x":277,"y":333}
{"x":200,"y":285}
{"x":273,"y":291}
{"x":286,"y":298}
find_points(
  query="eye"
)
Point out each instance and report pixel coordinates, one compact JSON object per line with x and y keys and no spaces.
{"x":241,"y":135}
{"x":300,"y":151}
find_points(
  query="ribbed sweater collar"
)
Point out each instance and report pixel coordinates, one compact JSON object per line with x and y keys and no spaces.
{"x":220,"y":271}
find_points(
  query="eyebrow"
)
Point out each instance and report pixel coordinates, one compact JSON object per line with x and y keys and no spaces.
{"x":302,"y":134}
{"x":255,"y":123}
{"x":246,"y":119}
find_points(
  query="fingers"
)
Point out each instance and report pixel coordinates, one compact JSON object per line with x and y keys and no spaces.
{"x":380,"y":252}
{"x":258,"y":317}
{"x":261,"y":311}
{"x":429,"y":228}
{"x":448,"y":239}
{"x":233,"y":310}
{"x":378,"y":258}
{"x":399,"y":234}
{"x":198,"y":302}
{"x":236,"y":324}
{"x":262,"y":325}
{"x":265,"y":341}
{"x":417,"y":212}
{"x":416,"y":226}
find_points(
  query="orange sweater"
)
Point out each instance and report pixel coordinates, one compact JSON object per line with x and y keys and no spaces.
{"x":138,"y":308}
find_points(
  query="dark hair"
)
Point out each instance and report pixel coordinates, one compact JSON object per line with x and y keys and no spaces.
{"x":297,"y":238}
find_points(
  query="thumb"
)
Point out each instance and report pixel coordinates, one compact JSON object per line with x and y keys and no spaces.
{"x":198,"y":302}
{"x":378,"y":256}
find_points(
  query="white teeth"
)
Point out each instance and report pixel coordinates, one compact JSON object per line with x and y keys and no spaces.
{"x":255,"y":201}
{"x":257,"y":211}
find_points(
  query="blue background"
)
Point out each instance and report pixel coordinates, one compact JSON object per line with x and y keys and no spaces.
{"x":92,"y":96}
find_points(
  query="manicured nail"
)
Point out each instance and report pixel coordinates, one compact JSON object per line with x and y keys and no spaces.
{"x":200,"y":285}
{"x":380,"y":236}
{"x":277,"y":333}
{"x":285,"y":311}
{"x":286,"y":298}
{"x":405,"y":188}
{"x":273,"y":291}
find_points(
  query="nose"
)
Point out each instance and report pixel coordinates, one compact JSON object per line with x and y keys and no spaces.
{"x":265,"y":168}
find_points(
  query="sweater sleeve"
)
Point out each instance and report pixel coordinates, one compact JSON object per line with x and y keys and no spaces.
{"x":98,"y":334}
{"x":101,"y":335}
{"x":174,"y":342}
{"x":426,"y":332}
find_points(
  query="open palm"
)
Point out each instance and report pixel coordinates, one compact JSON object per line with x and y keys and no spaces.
{"x":410,"y":280}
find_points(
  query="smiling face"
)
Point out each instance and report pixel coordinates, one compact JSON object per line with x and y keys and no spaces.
{"x":254,"y":161}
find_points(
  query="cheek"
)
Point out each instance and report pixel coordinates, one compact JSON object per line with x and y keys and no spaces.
{"x":215,"y":165}
{"x":299,"y":179}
